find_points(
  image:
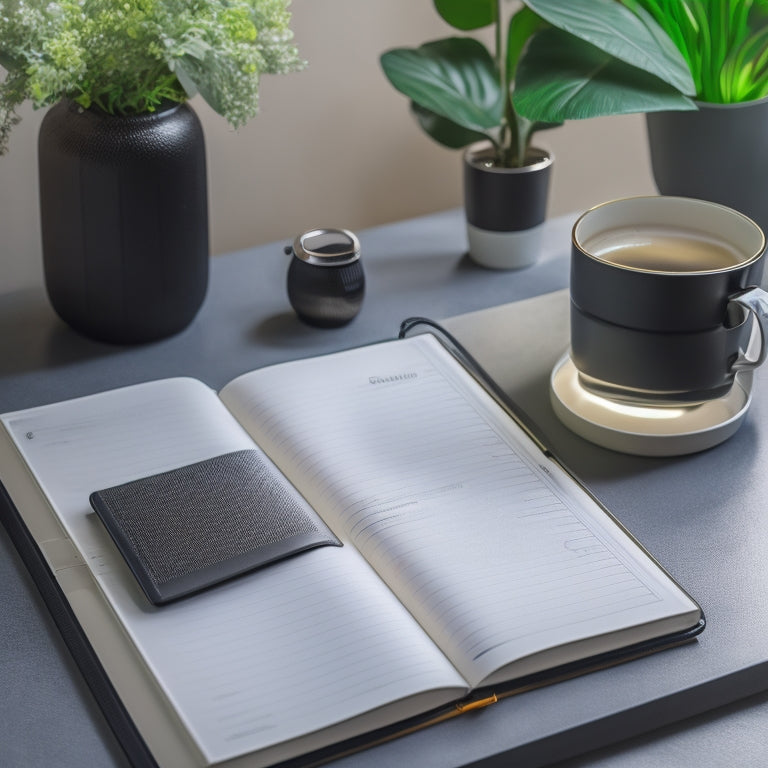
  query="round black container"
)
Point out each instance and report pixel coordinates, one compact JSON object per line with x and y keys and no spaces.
{"x":326,"y":283}
{"x":124,"y":219}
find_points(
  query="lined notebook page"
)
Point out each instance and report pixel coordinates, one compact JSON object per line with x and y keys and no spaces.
{"x":493,"y":550}
{"x":255,"y":662}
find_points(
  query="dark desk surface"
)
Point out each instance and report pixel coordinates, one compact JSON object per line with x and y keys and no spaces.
{"x":417,"y":267}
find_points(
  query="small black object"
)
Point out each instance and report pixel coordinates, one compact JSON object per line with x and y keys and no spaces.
{"x":326,"y":283}
{"x":190,"y":528}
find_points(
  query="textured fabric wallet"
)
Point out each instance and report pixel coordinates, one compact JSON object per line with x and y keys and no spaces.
{"x":187,"y":529}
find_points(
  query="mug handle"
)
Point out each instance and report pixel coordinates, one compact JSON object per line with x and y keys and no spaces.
{"x":754,"y":300}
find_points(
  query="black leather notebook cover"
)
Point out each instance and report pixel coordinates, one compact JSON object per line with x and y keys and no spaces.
{"x":187,"y":529}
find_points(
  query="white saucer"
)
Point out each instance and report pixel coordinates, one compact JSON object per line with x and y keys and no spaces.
{"x":647,"y":430}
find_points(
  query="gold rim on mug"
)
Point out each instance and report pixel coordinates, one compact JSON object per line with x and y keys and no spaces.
{"x":728,"y":217}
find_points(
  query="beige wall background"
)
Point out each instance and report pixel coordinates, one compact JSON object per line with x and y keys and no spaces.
{"x":335,"y":146}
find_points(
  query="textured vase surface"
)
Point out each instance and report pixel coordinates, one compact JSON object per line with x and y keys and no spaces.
{"x":124,"y":220}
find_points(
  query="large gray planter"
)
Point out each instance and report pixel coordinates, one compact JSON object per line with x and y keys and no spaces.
{"x":718,"y":153}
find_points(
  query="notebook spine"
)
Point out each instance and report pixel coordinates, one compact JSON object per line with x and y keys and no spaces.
{"x":72,"y":633}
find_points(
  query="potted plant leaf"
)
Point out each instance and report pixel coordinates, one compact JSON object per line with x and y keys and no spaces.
{"x":123,"y":190}
{"x":551,"y":61}
{"x":719,"y":152}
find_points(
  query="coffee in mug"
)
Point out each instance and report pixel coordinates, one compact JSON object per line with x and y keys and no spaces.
{"x":663,"y":249}
{"x":664,"y":293}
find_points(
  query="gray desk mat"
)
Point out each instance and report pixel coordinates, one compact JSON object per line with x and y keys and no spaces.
{"x":702,"y":516}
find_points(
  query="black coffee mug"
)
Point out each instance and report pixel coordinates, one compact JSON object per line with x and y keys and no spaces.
{"x":326,"y":283}
{"x":663,"y":292}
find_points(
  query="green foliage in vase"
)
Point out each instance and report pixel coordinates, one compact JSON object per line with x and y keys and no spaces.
{"x":724,"y":42}
{"x":129,"y":56}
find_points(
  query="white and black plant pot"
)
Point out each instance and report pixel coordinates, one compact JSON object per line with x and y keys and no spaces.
{"x":718,"y":152}
{"x":505,"y":207}
{"x":124,"y":220}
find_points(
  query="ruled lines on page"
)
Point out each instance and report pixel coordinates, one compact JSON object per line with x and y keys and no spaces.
{"x":290,"y":649}
{"x":113,"y":437}
{"x":447,"y":499}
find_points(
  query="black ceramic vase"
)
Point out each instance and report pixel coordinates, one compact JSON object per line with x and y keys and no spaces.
{"x":124,"y":219}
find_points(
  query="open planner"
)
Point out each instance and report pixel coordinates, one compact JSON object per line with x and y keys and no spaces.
{"x":465,"y":562}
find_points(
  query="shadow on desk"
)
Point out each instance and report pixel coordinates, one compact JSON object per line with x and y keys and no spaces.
{"x":582,"y":458}
{"x":284,"y":330}
{"x":33,"y":337}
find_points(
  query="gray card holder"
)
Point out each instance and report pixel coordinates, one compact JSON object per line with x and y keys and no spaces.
{"x":185,"y":530}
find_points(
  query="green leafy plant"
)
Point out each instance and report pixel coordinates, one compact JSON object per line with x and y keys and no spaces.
{"x":552,"y":61}
{"x":129,"y":56}
{"x":724,"y":42}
